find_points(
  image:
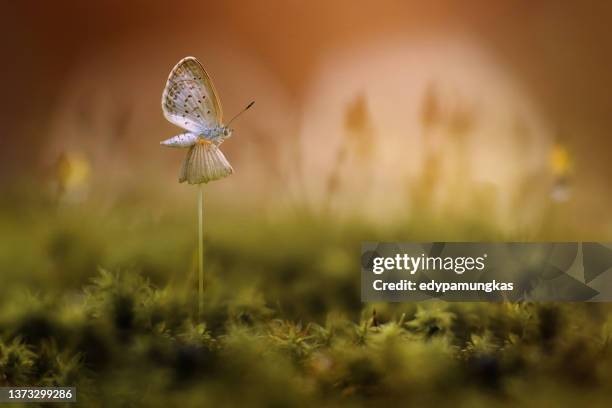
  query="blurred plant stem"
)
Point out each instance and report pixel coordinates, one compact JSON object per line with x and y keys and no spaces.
{"x":200,"y":251}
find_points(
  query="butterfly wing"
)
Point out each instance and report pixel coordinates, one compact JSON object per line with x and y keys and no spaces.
{"x":189,"y":99}
{"x":182,"y":140}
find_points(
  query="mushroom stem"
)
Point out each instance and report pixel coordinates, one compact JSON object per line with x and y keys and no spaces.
{"x":200,"y":252}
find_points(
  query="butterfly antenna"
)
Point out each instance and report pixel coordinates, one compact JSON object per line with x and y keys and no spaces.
{"x":241,"y":112}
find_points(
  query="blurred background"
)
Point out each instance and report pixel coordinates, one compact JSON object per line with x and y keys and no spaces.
{"x":384,"y":108}
{"x":387,"y":120}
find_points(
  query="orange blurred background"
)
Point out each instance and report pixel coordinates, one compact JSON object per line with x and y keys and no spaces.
{"x":374,"y":107}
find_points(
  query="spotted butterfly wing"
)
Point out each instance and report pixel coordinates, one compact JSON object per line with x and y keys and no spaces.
{"x":189,"y":99}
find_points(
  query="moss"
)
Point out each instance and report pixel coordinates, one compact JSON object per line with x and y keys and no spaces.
{"x":282,"y":324}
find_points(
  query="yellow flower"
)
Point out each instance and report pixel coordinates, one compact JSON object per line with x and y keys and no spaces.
{"x":560,"y":160}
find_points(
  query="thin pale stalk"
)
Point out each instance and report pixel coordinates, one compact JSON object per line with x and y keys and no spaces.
{"x":200,"y":251}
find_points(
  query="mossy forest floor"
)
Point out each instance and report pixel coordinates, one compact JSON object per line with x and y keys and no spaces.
{"x":108,"y":306}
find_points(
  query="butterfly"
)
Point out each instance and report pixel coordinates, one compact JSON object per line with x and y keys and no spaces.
{"x":190,"y":101}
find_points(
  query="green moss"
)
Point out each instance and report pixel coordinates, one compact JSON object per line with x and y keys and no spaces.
{"x":283,"y":323}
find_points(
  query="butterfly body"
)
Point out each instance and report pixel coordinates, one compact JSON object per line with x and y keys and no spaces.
{"x":190,"y":101}
{"x":217,"y":134}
